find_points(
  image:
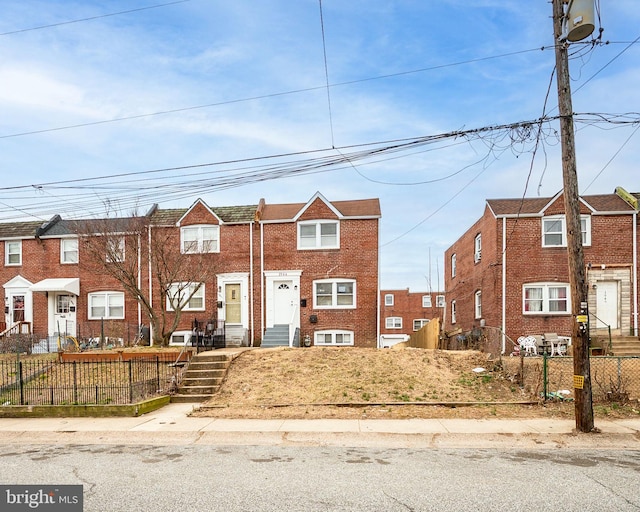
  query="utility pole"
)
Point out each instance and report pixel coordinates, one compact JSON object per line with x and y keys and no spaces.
{"x":577,"y":273}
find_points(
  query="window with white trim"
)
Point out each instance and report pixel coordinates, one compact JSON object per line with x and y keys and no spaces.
{"x":419,"y":323}
{"x":333,"y":337}
{"x":200,"y":239}
{"x":334,"y":294}
{"x":115,"y":249}
{"x":69,"y":250}
{"x":554,"y":230}
{"x":426,"y":301}
{"x":477,"y":248}
{"x":546,"y":299}
{"x":107,"y":305}
{"x":478,"y":304}
{"x":186,"y":296}
{"x":393,"y":322}
{"x":439,"y":301}
{"x":453,"y":311}
{"x":388,"y":299}
{"x":13,"y":252}
{"x":319,"y":234}
{"x":453,"y":264}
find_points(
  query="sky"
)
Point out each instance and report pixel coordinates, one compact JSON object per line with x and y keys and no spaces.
{"x":107,"y":107}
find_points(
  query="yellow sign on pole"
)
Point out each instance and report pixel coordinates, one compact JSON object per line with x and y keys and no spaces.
{"x":578,"y":381}
{"x":582,"y":319}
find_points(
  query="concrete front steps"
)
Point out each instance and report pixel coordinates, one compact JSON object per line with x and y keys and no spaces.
{"x":625,"y":346}
{"x":203,"y":377}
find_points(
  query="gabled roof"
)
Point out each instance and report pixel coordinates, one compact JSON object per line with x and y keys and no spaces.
{"x":602,"y":203}
{"x":19,"y":230}
{"x":227,"y":214}
{"x":355,"y":209}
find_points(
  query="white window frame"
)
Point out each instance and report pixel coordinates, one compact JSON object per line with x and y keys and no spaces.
{"x":453,"y":311}
{"x":186,"y":289}
{"x":68,"y":248}
{"x":202,"y":245}
{"x":440,"y":301}
{"x":477,"y":248}
{"x":393,"y":322}
{"x":336,"y":293}
{"x":585,"y":230}
{"x":111,"y":299}
{"x":316,"y":241}
{"x":453,"y":264}
{"x":337,"y":338}
{"x":419,"y":323}
{"x":8,"y":252}
{"x":477,"y":300}
{"x":426,"y":301}
{"x":545,"y":299}
{"x":388,"y":299}
{"x":117,"y":251}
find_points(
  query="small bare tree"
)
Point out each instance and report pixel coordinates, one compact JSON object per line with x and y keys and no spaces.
{"x":147,"y":261}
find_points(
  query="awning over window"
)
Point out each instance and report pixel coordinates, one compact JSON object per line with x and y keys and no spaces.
{"x":69,"y":285}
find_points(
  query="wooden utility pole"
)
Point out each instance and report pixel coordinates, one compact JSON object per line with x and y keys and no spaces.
{"x":577,"y":273}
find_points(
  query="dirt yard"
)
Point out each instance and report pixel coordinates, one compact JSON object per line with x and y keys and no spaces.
{"x":371,"y":383}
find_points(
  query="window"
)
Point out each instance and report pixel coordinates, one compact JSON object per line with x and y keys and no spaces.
{"x":107,"y":305}
{"x":115,"y":249}
{"x":13,"y":252}
{"x":388,"y":299}
{"x":186,"y":296}
{"x":334,"y":293}
{"x":199,"y":239}
{"x":478,"y":304}
{"x":419,"y":323}
{"x":63,"y":304}
{"x":453,"y":265}
{"x":546,"y":298}
{"x":319,"y":234}
{"x":439,"y":301}
{"x":453,"y":311}
{"x":393,"y":322}
{"x":477,"y":248}
{"x":554,"y":230}
{"x":335,"y":337}
{"x":426,"y":301}
{"x":69,"y":250}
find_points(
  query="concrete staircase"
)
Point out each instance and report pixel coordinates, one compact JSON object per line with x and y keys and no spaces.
{"x":203,"y":377}
{"x":276,"y":336}
{"x":625,"y":346}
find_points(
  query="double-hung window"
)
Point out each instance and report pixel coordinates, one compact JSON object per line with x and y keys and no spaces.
{"x":200,"y":239}
{"x":107,"y":305}
{"x":453,"y":311}
{"x":478,"y":304}
{"x":333,"y":337}
{"x":453,"y":264}
{"x":477,"y":248}
{"x":319,"y":234}
{"x":439,"y":301}
{"x":115,"y":249}
{"x":426,"y":301}
{"x":69,"y":250}
{"x":419,"y":323}
{"x":554,"y":230}
{"x":388,"y":299}
{"x":393,"y":322}
{"x":546,"y":298}
{"x":186,"y":296}
{"x":334,"y":294}
{"x":13,"y":252}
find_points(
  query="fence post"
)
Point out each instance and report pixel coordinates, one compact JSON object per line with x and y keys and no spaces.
{"x":544,"y":376}
{"x":158,"y":373}
{"x":21,"y":382}
{"x":130,"y":382}
{"x":75,"y":383}
{"x":619,"y":374}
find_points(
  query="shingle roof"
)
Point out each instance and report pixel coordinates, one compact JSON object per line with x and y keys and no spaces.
{"x":527,"y":206}
{"x":19,"y":229}
{"x":228,"y":215}
{"x":355,"y":208}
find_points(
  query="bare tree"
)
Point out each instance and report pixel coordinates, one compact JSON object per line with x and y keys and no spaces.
{"x":148,"y":263}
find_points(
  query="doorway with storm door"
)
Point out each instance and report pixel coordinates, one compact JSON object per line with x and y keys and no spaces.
{"x":283,"y":299}
{"x":64,"y":316}
{"x":607,"y":305}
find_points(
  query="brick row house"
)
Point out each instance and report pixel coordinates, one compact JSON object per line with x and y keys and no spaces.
{"x":403,"y":312}
{"x":510,"y":269}
{"x":290,"y":273}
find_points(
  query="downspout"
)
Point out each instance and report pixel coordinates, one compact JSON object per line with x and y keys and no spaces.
{"x":504,"y":283}
{"x":262,"y":285}
{"x":251,"y":318}
{"x":379,"y":341}
{"x":139,"y":280}
{"x":151,"y":334}
{"x":635,"y":273}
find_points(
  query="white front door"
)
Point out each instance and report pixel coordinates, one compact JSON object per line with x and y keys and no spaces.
{"x":283,"y":302}
{"x":607,"y":304}
{"x":64,"y":314}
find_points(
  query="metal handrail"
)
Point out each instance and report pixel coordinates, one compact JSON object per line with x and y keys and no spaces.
{"x":292,"y":331}
{"x":608,"y":328}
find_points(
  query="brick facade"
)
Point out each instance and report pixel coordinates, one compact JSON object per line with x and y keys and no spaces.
{"x":514,"y":257}
{"x":401,"y":309}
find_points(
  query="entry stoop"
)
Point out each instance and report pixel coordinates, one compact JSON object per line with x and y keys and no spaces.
{"x":203,"y":377}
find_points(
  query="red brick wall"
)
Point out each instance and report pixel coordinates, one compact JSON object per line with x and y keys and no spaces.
{"x":408,"y":306}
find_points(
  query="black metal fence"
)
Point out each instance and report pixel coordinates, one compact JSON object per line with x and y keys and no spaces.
{"x":49,"y":381}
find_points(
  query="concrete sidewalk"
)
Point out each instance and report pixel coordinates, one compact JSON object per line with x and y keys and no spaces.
{"x":173,"y":425}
